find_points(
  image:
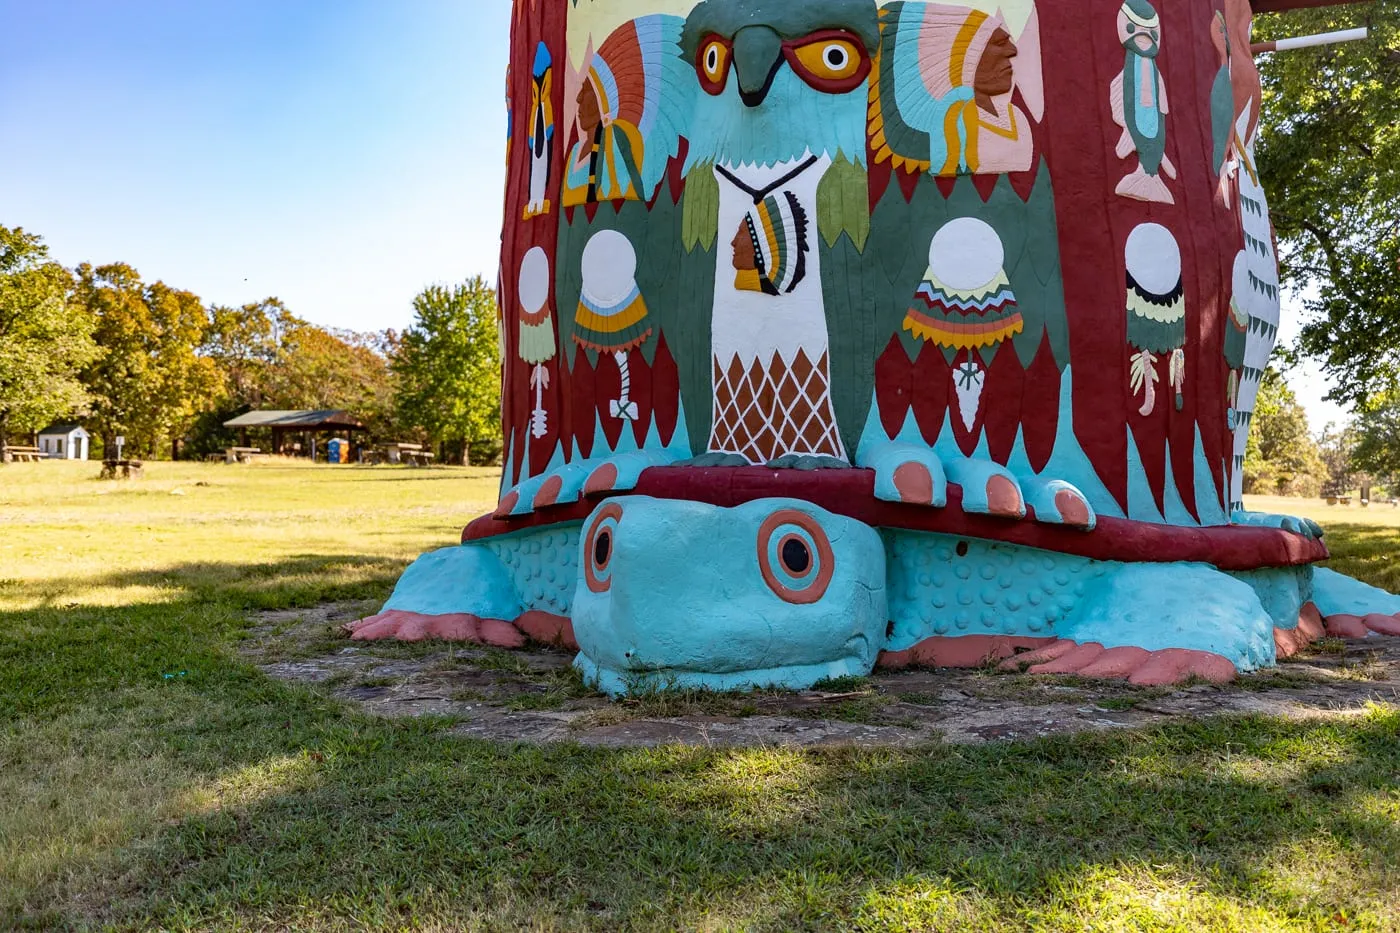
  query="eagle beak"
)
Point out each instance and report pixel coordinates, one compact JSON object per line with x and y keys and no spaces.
{"x":758,"y":51}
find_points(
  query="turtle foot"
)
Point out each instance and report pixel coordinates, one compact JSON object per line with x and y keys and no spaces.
{"x":401,"y":625}
{"x":572,"y":481}
{"x":907,"y":473}
{"x":621,"y":473}
{"x":915,"y":475}
{"x":1346,"y":625}
{"x":1302,"y":526}
{"x":1310,"y":628}
{"x":1137,"y":666}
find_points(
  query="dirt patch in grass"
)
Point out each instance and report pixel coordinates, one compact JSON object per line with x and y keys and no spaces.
{"x":536,"y":696}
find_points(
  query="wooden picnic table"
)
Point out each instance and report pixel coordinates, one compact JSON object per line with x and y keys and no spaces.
{"x":240,"y":454}
{"x":25,"y":454}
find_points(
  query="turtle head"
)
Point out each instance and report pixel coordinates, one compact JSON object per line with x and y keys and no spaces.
{"x":775,"y":592}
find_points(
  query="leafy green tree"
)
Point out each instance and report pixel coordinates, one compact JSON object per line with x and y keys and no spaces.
{"x":1338,"y":449}
{"x":44,"y":337}
{"x":449,"y":368}
{"x":267,"y":357}
{"x":1329,"y":153}
{"x":1377,"y":449}
{"x":244,"y":344}
{"x":1281,"y":458}
{"x":148,"y":382}
{"x":320,"y":368}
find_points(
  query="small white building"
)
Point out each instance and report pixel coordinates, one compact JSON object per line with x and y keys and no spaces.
{"x":65,"y":441}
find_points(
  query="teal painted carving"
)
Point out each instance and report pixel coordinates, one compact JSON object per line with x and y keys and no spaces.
{"x":788,"y":594}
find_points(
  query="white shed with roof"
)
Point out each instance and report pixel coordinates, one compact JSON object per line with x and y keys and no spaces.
{"x":65,"y":440}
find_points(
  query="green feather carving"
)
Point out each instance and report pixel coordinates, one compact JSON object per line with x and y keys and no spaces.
{"x":700,"y":208}
{"x":843,"y":203}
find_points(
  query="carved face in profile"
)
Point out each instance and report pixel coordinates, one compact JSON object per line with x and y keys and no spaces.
{"x":745,"y":256}
{"x":995,"y":75}
{"x":590,"y":113}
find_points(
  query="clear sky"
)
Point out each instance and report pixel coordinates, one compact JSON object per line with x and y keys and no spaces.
{"x":339,"y":154}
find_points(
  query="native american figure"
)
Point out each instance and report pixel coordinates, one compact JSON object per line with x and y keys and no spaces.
{"x":1156,"y":312}
{"x":770,"y":249}
{"x":541,"y":132}
{"x":1139,"y":101}
{"x":629,"y":112}
{"x":611,"y":316}
{"x":537,"y":345}
{"x":942,"y":101}
{"x":965,"y":306}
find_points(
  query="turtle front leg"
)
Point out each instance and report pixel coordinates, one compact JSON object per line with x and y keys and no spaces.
{"x":464,"y":593}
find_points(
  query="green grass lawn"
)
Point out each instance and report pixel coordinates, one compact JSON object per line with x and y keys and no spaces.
{"x":151,"y":778}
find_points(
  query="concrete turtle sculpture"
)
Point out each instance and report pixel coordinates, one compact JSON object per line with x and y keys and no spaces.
{"x":851,"y":332}
{"x":657,"y":589}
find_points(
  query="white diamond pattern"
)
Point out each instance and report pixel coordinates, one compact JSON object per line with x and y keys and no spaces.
{"x":765,"y":412}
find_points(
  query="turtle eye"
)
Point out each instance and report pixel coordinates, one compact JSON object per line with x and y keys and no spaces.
{"x":794,"y":556}
{"x":712,"y":65}
{"x":598,"y":548}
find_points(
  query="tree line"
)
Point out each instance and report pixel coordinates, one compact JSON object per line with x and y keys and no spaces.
{"x":1284,"y":458}
{"x":155,"y":364}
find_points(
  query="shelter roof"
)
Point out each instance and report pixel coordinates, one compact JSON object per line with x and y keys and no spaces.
{"x":303,"y":420}
{"x":62,"y":427}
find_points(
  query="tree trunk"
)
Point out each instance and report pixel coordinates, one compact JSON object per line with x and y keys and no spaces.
{"x":4,"y":440}
{"x":466,"y":452}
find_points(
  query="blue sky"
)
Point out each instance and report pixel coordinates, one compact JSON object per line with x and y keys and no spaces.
{"x":340,"y":154}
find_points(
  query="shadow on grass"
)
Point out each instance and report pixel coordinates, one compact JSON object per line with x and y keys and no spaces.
{"x":274,"y":806}
{"x":383,"y":823}
{"x":1371,"y":553}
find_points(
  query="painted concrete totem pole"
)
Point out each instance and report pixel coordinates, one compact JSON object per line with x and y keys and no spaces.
{"x":858,"y":332}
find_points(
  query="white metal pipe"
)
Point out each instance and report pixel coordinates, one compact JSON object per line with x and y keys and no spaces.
{"x":1307,"y":42}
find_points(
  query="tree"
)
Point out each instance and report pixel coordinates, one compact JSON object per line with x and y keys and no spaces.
{"x":1377,"y":449}
{"x":149,"y":381}
{"x":1281,"y":457}
{"x":1329,"y":152}
{"x":449,"y":368}
{"x":244,"y":344}
{"x":44,"y":337}
{"x":269,"y":358}
{"x":1338,"y":447}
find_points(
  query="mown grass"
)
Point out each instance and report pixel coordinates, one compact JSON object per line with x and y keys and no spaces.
{"x":218,"y":798}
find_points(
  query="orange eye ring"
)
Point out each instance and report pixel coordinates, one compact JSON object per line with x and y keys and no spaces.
{"x":712,"y":64}
{"x":795,"y":556}
{"x":833,"y":60}
{"x":599,"y":545}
